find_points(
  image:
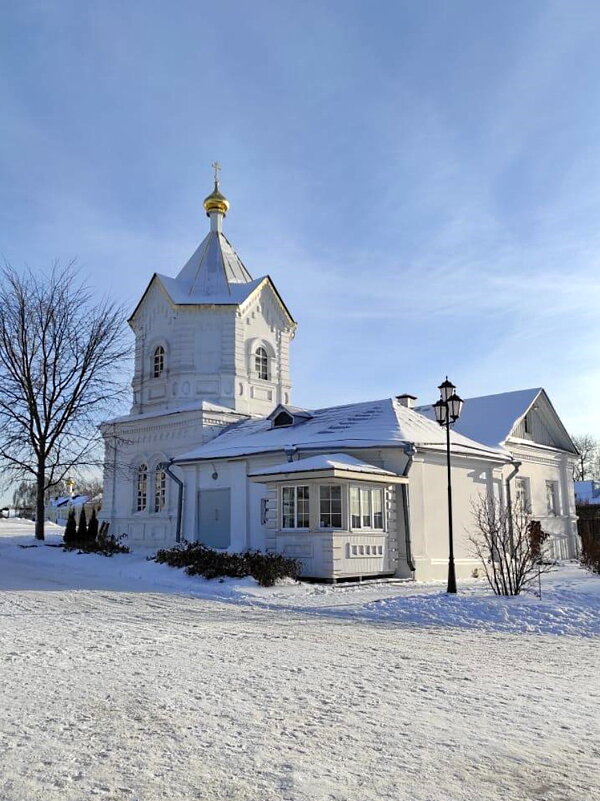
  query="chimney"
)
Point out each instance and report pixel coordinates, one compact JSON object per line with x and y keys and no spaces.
{"x":406,"y":400}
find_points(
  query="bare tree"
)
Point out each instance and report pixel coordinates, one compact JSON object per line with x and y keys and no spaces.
{"x":61,"y":354}
{"x":587,"y":465}
{"x":509,"y":545}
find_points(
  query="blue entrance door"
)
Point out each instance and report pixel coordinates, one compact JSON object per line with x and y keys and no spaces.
{"x":214,"y":512}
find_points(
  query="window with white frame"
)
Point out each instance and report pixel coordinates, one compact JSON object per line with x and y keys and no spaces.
{"x":261,"y":363}
{"x":522,"y":497}
{"x":159,"y":361}
{"x":142,"y":487}
{"x":551,"y":498}
{"x":366,"y":508}
{"x":295,"y":507}
{"x":330,"y":506}
{"x":160,"y":490}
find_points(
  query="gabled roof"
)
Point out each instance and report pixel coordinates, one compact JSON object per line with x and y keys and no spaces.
{"x":491,"y":419}
{"x":213,"y":276}
{"x":181,"y":294}
{"x":294,"y":411}
{"x":178,"y":294}
{"x":382,"y":423}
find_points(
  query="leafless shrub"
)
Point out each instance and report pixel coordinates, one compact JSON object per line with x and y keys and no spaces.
{"x":509,"y":545}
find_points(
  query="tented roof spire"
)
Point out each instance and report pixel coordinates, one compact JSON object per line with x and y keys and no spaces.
{"x":215,"y":265}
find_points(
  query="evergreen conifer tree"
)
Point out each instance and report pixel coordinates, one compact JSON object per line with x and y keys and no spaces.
{"x":70,"y":534}
{"x":82,"y":529}
{"x":92,"y":531}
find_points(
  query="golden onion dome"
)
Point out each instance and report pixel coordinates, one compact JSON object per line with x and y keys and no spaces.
{"x":216,"y":201}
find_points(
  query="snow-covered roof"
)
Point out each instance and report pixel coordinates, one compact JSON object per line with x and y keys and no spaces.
{"x":195,"y":406}
{"x":381,"y":423}
{"x":213,"y":268}
{"x":183,"y":293}
{"x":491,"y":418}
{"x":328,"y":461}
{"x":213,"y":276}
{"x":587,"y":491}
{"x":66,"y":500}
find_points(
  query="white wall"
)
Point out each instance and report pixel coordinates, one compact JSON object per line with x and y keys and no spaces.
{"x":209,"y":353}
{"x":549,"y":464}
{"x":327,"y":553}
{"x":150,"y":441}
{"x":261,"y":322}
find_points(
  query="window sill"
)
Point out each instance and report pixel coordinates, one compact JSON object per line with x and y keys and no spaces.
{"x":379,"y":531}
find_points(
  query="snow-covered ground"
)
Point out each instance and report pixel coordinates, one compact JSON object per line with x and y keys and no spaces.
{"x":123,"y":679}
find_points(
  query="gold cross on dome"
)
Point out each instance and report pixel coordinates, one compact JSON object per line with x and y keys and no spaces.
{"x":216,"y":167}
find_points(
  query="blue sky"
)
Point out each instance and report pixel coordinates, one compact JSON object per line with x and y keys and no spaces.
{"x":420,"y":179}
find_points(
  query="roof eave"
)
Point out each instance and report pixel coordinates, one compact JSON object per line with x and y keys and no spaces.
{"x":327,"y":473}
{"x":327,"y":447}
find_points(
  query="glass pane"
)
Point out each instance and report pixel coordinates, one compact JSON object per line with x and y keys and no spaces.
{"x":288,"y":515}
{"x":354,"y":507}
{"x":377,"y":499}
{"x":336,"y":521}
{"x":303,"y":517}
{"x":365,"y":507}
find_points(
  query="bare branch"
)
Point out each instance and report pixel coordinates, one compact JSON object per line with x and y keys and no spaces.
{"x":509,"y":545}
{"x":62,"y":355}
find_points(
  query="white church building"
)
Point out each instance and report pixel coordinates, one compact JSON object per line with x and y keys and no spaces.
{"x":214,"y":451}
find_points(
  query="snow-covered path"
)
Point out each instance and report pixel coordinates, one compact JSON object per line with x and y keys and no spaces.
{"x":153,"y":695}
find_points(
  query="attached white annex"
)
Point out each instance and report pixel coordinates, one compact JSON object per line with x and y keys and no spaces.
{"x":213,"y":450}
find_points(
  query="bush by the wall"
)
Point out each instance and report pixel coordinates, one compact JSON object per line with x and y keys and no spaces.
{"x":70,"y":534}
{"x":92,"y":529}
{"x":82,"y":530}
{"x":198,"y":560}
{"x":590,"y":550}
{"x":92,"y":540}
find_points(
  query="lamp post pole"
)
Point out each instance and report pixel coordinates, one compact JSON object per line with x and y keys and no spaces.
{"x":451,"y":568}
{"x":447,"y":411}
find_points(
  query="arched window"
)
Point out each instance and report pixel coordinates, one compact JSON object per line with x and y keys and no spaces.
{"x":160,"y":490}
{"x":142,"y":487}
{"x":159,"y":361}
{"x":261,"y":363}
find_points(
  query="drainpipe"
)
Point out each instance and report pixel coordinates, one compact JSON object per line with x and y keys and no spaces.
{"x":516,"y":467}
{"x":410,"y":450}
{"x":166,"y":466}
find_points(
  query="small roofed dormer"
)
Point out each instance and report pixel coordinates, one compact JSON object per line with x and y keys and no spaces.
{"x":284,"y":416}
{"x":282,"y":419}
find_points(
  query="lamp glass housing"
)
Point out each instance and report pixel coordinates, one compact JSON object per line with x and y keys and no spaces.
{"x":455,"y":405}
{"x":446,"y":389}
{"x":441,"y":412}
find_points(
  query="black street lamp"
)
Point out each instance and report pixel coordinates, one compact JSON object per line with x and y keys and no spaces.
{"x":447,"y":411}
